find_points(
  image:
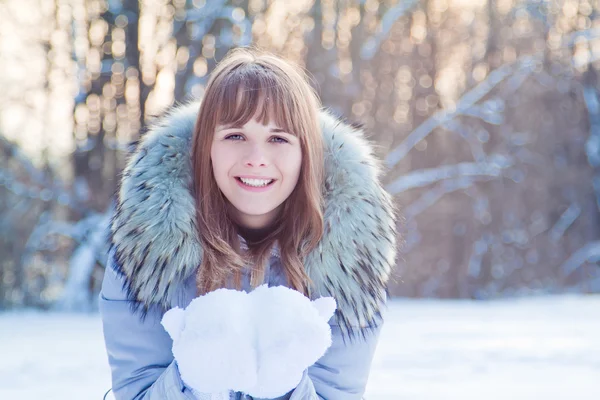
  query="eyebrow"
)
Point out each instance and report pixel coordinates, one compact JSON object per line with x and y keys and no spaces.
{"x":237,"y":126}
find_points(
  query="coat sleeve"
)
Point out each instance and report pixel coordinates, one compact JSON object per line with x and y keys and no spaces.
{"x":139,"y":352}
{"x":342,"y":373}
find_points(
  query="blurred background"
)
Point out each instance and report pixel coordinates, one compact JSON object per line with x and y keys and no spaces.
{"x":486,"y":112}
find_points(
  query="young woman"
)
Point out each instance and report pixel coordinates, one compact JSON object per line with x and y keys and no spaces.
{"x":257,"y":184}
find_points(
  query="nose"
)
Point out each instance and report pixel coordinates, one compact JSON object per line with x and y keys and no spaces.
{"x":255,"y":157}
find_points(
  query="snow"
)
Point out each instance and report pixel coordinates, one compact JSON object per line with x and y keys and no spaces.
{"x":530,"y":348}
{"x":520,"y":349}
{"x":240,"y":335}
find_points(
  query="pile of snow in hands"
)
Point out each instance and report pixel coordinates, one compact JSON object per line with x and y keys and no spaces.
{"x":258,"y":343}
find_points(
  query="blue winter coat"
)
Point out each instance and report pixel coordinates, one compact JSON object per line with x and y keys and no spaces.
{"x":155,"y":253}
{"x":142,"y":363}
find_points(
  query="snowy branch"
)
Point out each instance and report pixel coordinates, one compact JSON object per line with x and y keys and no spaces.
{"x":493,"y":167}
{"x":589,"y":252}
{"x":586,"y":34}
{"x":474,"y":140}
{"x":526,"y":63}
{"x":592,"y":144}
{"x":516,"y":80}
{"x":46,"y":228}
{"x":46,"y":193}
{"x":76,"y":294}
{"x":480,"y":248}
{"x":537,"y":9}
{"x":372,"y":44}
{"x":44,"y":188}
{"x":564,"y":222}
{"x":412,"y":235}
{"x":16,"y":154}
{"x":245,"y":25}
{"x":431,"y":197}
{"x":481,"y":207}
{"x":201,"y":19}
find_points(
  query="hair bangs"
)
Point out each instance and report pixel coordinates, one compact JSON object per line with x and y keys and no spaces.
{"x":253,"y":91}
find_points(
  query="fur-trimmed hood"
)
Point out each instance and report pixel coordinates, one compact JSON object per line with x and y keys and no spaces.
{"x":156,"y":245}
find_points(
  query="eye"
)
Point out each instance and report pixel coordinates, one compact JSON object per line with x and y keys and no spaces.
{"x":279,"y":139}
{"x":234,"y":136}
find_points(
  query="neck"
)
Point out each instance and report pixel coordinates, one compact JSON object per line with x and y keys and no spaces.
{"x":254,"y":235}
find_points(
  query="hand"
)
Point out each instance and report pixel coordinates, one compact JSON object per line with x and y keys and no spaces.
{"x":292,"y":333}
{"x":211,"y":342}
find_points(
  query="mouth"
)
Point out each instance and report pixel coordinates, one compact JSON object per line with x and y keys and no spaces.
{"x":255,"y":184}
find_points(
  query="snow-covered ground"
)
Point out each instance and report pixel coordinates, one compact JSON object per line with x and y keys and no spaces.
{"x":531,"y":348}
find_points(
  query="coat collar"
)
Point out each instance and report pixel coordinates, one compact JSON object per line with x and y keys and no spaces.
{"x":156,"y":247}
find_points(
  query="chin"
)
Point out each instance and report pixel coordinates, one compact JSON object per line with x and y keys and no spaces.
{"x":254,"y":213}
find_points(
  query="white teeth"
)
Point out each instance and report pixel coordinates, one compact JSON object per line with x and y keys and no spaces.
{"x":256,"y":182}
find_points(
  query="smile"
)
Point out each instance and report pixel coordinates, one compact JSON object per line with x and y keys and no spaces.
{"x":255,"y":185}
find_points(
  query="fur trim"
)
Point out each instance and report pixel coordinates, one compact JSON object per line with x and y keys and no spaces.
{"x":154,"y":236}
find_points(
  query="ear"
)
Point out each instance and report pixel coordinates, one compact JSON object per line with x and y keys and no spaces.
{"x":325,"y":306}
{"x":174,"y":322}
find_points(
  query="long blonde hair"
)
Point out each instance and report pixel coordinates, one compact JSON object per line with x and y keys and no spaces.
{"x":243,"y":81}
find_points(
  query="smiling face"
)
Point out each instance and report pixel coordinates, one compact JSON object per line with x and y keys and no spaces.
{"x":259,"y":118}
{"x":256,"y":167}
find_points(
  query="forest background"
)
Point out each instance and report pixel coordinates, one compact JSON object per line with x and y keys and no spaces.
{"x":485,"y":112}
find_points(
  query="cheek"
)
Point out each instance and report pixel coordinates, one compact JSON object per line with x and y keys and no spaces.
{"x":293,"y":162}
{"x":218,"y":159}
{"x":214,"y":157}
{"x":220,"y":156}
